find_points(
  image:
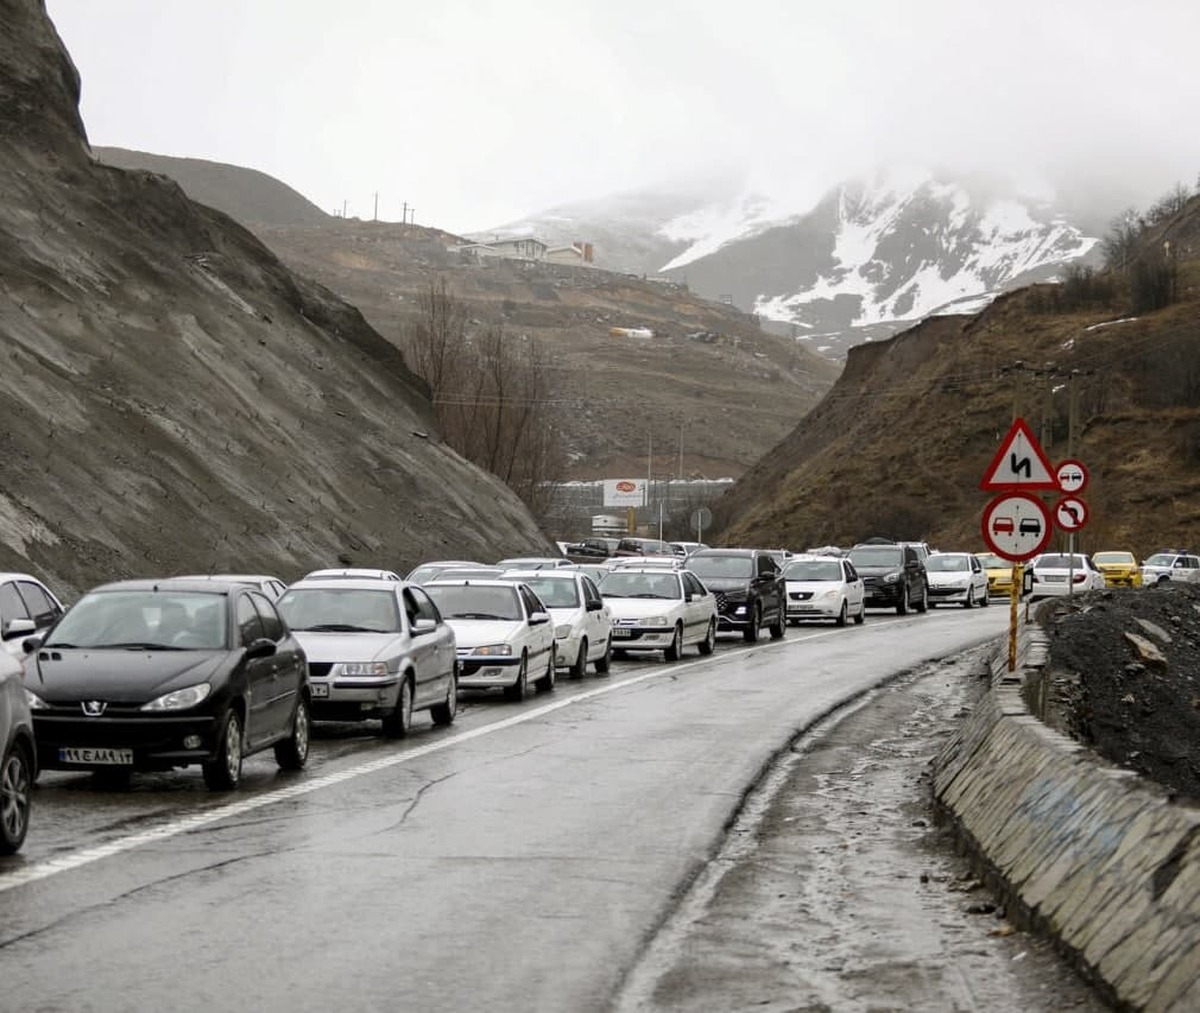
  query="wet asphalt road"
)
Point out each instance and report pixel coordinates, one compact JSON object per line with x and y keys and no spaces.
{"x":519,"y":860}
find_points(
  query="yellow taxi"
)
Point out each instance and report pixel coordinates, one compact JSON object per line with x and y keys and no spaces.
{"x":999,"y":573}
{"x":1120,"y":569}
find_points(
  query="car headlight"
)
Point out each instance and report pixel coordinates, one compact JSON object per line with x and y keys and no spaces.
{"x":363,"y":668}
{"x":831,"y":593}
{"x":652,"y":621}
{"x":36,"y":703}
{"x":493,"y":650}
{"x":180,"y":699}
{"x":564,"y":631}
{"x":891,"y":578}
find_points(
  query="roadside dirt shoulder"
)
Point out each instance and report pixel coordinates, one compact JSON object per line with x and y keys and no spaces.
{"x":835,"y":891}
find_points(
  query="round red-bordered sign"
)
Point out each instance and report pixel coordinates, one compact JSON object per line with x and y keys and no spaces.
{"x":1016,"y":526}
{"x":1070,"y":513}
{"x":1072,"y":476}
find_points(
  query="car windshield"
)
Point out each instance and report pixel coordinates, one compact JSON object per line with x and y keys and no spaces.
{"x":877,"y":555}
{"x":623,"y":584}
{"x":718,"y":567}
{"x":1120,"y":558}
{"x":946,"y":564}
{"x":476,"y":601}
{"x":555,"y":593}
{"x":425,"y":572}
{"x":990,"y":561}
{"x":1058,"y":561}
{"x":813,"y":569}
{"x":340,"y":610}
{"x":528,"y":563}
{"x":1160,"y":559}
{"x":144,"y":620}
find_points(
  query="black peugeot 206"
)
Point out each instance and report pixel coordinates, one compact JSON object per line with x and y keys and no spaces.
{"x":151,"y":675}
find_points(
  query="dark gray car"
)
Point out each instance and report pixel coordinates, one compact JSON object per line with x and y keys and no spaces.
{"x":18,"y":757}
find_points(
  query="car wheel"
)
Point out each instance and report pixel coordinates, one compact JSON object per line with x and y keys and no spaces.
{"x":604,"y":662}
{"x":398,"y":721}
{"x":16,"y":797}
{"x":444,"y":713}
{"x":546,"y":682}
{"x":709,"y":643}
{"x":675,"y":649}
{"x":292,"y":753}
{"x":751,"y":632}
{"x":779,"y":627}
{"x":923,"y":602}
{"x":224,"y":772}
{"x":861,"y":616}
{"x":987,"y":600}
{"x":579,"y":669}
{"x":902,"y":605}
{"x":516,"y":692}
{"x":970,"y":602}
{"x":841,"y":616}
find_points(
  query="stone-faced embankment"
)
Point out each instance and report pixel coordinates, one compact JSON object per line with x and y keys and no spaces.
{"x":1096,"y":857}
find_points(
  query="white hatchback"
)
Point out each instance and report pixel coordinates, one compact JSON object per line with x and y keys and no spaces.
{"x":660,"y":610}
{"x":582,"y":622}
{"x":505,"y":635}
{"x":823,"y":587}
{"x":956,"y":578}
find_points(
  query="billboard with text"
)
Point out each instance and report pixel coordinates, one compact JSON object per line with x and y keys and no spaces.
{"x":625,"y":492}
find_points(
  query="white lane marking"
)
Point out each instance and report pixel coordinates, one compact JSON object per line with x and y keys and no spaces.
{"x":185,"y":824}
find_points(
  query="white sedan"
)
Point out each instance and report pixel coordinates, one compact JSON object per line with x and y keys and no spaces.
{"x":375,"y":649}
{"x":956,"y":578}
{"x":504,"y":633}
{"x":660,"y":610}
{"x":582,"y":622}
{"x":824,"y":587}
{"x":1054,"y":574}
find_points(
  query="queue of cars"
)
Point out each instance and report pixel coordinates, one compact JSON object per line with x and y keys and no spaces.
{"x":207,"y":669}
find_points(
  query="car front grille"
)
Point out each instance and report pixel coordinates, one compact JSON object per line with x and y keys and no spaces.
{"x":320,"y":669}
{"x":800,"y":595}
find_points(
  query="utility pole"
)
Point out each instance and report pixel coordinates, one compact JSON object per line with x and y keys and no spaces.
{"x":343,"y":209}
{"x":404,"y":214}
{"x":375,"y":217}
{"x":681,"y":451}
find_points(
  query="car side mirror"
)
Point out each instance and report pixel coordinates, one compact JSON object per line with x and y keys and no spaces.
{"x":420,"y":626}
{"x":17,"y":627}
{"x":31,"y":644}
{"x":538,"y":618}
{"x":595,"y":606}
{"x":260,"y":648}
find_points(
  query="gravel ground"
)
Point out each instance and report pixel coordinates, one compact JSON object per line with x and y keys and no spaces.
{"x":835,"y":890}
{"x":1124,"y":678}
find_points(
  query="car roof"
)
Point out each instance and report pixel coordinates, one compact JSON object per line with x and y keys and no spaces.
{"x":556,"y":573}
{"x":351,"y":584}
{"x":727,"y":552}
{"x":367,"y":572}
{"x":232,"y":578}
{"x":472,"y":582}
{"x":201,"y":584}
{"x":19,"y":576}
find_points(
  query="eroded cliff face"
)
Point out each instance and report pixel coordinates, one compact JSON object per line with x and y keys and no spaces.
{"x":173,"y":399}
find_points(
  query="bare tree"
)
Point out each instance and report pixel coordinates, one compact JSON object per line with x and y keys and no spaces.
{"x":494,"y":396}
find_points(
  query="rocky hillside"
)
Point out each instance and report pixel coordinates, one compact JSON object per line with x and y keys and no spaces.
{"x":614,"y":395}
{"x":899,"y":444}
{"x":178,"y":400}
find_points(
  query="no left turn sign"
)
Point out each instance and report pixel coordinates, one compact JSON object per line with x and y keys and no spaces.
{"x":1070,"y":513}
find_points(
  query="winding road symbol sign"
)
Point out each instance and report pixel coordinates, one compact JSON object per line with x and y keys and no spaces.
{"x":1020,"y":463}
{"x":1016,"y":526}
{"x":1070,"y":513}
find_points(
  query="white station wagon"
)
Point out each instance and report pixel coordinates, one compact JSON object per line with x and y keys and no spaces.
{"x":660,"y":610}
{"x":504,"y":633}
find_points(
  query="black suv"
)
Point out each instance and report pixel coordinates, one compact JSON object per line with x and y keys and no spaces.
{"x":749,"y":587}
{"x":893,"y":575}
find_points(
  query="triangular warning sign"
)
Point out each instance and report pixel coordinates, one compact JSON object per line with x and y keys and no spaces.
{"x":1020,"y":463}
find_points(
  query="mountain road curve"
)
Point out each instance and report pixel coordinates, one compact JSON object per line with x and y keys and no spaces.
{"x":522,"y":859}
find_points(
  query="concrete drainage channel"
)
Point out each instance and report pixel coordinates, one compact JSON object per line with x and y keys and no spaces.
{"x":1092,"y":856}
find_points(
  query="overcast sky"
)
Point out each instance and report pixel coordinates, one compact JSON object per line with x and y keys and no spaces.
{"x":477,"y":112}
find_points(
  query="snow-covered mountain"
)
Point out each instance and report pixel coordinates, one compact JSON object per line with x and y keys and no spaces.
{"x":859,"y":262}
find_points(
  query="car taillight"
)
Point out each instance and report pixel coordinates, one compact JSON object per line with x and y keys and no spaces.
{"x":1080,"y":578}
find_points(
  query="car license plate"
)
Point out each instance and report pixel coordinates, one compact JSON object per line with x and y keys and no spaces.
{"x":319,"y":689}
{"x":111,"y":757}
{"x":1052,"y":578}
{"x":619,"y":631}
